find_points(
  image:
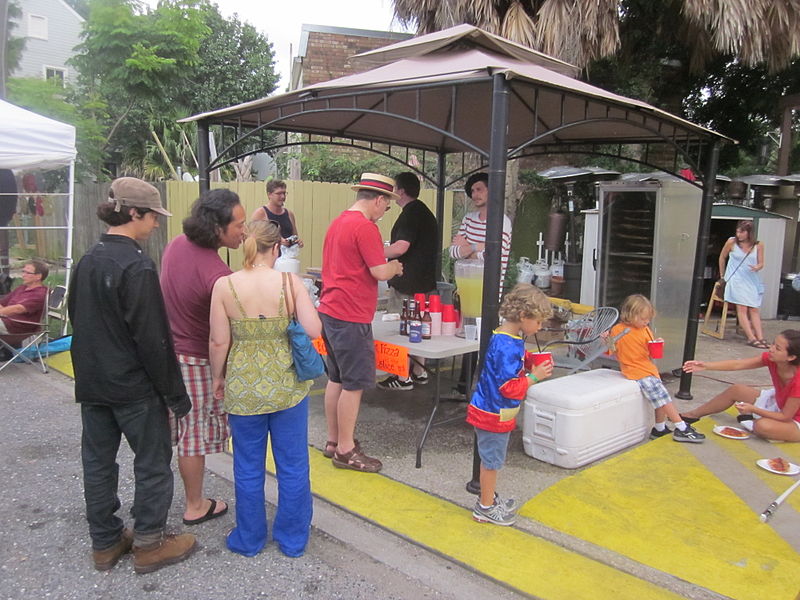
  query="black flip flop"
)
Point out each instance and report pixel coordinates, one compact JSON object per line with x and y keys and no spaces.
{"x":208,"y":516}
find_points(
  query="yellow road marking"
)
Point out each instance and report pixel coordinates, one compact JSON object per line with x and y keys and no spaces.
{"x":658,"y":505}
{"x":525,"y":562}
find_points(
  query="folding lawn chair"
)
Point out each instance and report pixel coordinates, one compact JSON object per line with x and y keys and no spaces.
{"x":28,"y":346}
{"x":586,"y":339}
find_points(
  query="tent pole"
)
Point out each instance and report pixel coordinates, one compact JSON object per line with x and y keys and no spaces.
{"x":692,"y":324}
{"x":70,"y":223}
{"x":440,"y":184}
{"x":203,"y":155}
{"x":494,"y":235}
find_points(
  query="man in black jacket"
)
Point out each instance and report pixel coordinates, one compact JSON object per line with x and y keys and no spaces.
{"x":126,"y":376}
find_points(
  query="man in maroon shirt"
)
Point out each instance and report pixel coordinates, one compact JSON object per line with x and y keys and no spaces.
{"x":190,"y":267}
{"x":21,"y":310}
{"x":352,"y":265}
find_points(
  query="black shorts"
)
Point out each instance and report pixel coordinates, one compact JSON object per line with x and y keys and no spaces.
{"x":351,"y":353}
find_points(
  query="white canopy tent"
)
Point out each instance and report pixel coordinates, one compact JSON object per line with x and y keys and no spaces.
{"x":30,"y":141}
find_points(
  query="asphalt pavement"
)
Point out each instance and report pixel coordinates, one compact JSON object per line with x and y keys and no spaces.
{"x":656,"y":520}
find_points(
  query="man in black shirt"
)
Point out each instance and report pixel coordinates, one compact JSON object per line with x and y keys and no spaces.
{"x":126,"y":376}
{"x":414,"y":243}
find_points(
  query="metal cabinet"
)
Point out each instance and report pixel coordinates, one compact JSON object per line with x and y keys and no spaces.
{"x":643,"y":241}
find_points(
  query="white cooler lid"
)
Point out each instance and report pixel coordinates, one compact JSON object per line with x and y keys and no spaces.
{"x":583,"y":389}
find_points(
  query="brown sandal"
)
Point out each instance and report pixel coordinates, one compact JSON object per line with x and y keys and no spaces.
{"x":329,"y":444}
{"x":357,"y":461}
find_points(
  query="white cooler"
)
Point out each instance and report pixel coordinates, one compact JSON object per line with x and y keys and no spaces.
{"x":577,"y":419}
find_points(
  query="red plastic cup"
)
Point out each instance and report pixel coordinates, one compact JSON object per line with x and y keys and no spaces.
{"x":435,"y":303}
{"x":541,"y":357}
{"x":420,"y":298}
{"x":656,"y":348}
{"x":448,"y":313}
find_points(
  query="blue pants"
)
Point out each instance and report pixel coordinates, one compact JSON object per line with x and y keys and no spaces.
{"x":146,"y":427}
{"x":288,"y":434}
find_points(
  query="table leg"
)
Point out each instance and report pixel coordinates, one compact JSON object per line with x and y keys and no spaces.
{"x":436,"y":392}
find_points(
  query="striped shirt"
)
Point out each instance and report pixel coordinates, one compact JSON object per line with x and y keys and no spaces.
{"x":474,"y":229}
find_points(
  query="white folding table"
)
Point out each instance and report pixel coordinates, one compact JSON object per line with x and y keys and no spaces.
{"x":436,"y":349}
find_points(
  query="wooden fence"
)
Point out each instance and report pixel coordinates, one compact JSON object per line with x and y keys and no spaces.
{"x":314,"y":204}
{"x":88,"y":228}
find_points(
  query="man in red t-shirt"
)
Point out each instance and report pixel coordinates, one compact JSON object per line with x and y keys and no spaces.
{"x":352,"y":265}
{"x":189,"y":269}
{"x":21,"y":310}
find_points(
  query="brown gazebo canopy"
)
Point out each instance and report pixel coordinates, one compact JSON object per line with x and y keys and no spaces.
{"x":463,"y":90}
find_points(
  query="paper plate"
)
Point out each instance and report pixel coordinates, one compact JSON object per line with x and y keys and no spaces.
{"x":764,"y":464}
{"x":720,"y":430}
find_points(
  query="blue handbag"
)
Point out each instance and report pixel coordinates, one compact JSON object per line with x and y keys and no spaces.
{"x":307,"y":362}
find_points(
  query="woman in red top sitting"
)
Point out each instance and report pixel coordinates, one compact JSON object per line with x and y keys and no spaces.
{"x":772,"y":413}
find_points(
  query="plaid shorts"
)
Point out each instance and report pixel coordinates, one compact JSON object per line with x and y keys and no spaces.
{"x":653,"y":389}
{"x":205,"y":429}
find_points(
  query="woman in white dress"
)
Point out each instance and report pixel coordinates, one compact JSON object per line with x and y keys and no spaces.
{"x":745,"y":256}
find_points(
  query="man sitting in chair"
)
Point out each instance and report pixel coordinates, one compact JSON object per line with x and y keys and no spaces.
{"x":21,"y":310}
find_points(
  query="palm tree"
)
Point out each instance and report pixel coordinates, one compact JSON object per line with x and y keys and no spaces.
{"x":752,"y":31}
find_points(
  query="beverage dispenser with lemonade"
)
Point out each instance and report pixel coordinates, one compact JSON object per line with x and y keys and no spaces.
{"x":469,"y":282}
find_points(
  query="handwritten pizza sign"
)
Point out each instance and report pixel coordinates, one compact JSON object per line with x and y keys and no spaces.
{"x":391,"y":358}
{"x":319,"y":346}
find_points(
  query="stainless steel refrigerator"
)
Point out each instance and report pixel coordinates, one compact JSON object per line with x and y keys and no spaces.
{"x":646,"y":238}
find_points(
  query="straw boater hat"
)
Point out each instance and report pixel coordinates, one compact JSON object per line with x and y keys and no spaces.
{"x":377,"y":183}
{"x":132,"y":192}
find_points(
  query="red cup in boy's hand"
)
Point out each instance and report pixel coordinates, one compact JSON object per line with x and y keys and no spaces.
{"x":656,"y":348}
{"x":541,"y":357}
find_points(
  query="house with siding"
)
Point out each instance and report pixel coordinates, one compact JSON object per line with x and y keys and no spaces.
{"x":52,"y":30}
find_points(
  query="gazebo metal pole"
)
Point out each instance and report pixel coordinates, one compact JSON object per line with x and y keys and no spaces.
{"x":689,"y":345}
{"x":440,"y":183}
{"x":494,"y":235}
{"x":203,"y":155}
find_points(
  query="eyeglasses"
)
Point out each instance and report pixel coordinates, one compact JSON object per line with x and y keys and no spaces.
{"x":24,"y":272}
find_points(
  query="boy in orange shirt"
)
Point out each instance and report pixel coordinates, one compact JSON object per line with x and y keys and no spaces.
{"x":633,"y":354}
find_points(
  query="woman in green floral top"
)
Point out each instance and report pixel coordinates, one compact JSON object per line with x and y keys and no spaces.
{"x":263,"y":398}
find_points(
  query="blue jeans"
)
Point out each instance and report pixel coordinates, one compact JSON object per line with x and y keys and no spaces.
{"x":146,"y":427}
{"x":287,"y":431}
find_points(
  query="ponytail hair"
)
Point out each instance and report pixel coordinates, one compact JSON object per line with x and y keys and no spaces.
{"x":261,"y":237}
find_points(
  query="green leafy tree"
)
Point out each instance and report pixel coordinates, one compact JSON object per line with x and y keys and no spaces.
{"x":14,"y":45}
{"x":151,"y":68}
{"x":135,"y":60}
{"x":235,"y":64}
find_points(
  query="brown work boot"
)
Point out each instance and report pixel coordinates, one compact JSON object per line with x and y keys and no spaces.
{"x":106,"y":559}
{"x":172,"y":549}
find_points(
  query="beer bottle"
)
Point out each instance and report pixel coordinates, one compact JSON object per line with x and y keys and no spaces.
{"x":426,"y":325}
{"x":404,"y":318}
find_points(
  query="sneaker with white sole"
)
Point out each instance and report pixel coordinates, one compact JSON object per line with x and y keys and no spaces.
{"x":510,"y":504}
{"x":655,"y":433}
{"x":395,"y":383}
{"x":688,"y":435}
{"x":495,"y":514}
{"x":421,"y":379}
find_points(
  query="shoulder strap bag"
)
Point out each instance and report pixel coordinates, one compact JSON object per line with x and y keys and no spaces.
{"x":307,"y":362}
